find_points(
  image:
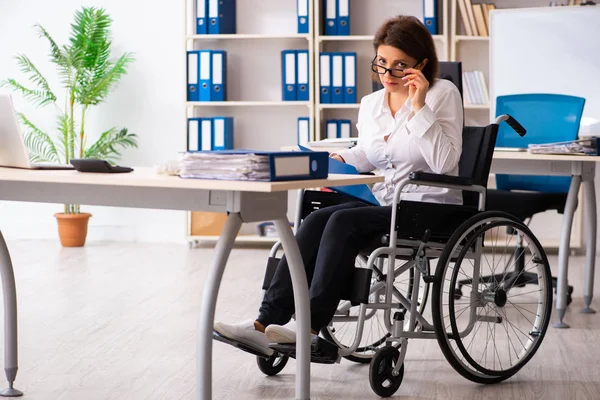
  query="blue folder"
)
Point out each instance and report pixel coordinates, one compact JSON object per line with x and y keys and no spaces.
{"x":201,"y":24}
{"x":205,"y":72}
{"x":361,"y":192}
{"x":222,"y":17}
{"x":193,"y":65}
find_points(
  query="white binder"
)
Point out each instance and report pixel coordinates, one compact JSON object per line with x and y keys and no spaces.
{"x":332,"y":129}
{"x":193,"y":135}
{"x":206,"y":141}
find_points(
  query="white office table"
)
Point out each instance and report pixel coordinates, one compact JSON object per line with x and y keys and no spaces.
{"x":243,"y":201}
{"x":583,"y":171}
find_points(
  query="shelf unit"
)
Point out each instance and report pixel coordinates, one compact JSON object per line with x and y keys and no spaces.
{"x":262,"y":120}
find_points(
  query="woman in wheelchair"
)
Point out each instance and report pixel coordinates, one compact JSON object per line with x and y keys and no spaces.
{"x":415,"y":123}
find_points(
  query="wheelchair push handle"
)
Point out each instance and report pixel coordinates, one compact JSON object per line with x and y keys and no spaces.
{"x":513,"y":123}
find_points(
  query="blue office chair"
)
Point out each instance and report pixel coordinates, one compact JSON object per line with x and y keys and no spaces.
{"x":547,"y":118}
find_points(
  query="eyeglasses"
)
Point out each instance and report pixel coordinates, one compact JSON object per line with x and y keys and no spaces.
{"x":395,"y":72}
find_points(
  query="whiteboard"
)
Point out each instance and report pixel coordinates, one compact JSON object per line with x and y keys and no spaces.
{"x":546,"y":50}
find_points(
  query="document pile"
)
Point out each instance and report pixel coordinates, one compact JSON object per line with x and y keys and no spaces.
{"x":586,"y":147}
{"x":251,"y":165}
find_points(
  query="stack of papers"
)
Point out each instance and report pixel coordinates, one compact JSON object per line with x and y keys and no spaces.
{"x":587,"y":146}
{"x":216,"y":165}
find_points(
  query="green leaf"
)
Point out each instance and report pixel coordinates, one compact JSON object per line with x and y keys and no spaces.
{"x":40,"y":146}
{"x":60,"y":57}
{"x":36,"y":97}
{"x":103,"y":82}
{"x":110,"y":144}
{"x":64,"y":123}
{"x":27,"y":67}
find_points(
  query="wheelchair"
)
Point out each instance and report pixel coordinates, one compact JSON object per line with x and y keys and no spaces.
{"x":471,"y":261}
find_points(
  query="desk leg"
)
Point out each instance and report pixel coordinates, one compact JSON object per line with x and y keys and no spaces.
{"x":302,"y":303}
{"x":10,"y":320}
{"x":563,"y":251}
{"x":589,"y":192}
{"x":209,"y":302}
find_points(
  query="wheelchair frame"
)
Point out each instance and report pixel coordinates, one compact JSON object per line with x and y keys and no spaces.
{"x":418,"y":326}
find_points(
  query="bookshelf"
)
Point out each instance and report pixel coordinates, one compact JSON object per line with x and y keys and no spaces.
{"x":263,"y":121}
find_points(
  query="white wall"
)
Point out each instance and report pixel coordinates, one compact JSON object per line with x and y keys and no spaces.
{"x":149,"y":101}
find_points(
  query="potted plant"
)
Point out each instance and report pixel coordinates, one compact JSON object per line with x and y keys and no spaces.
{"x":88,"y":75}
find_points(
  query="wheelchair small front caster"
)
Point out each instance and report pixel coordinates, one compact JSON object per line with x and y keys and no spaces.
{"x":272,"y":365}
{"x":381,"y":377}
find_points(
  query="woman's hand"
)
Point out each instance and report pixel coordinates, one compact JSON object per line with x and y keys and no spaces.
{"x":339,"y":158}
{"x":417,"y":88}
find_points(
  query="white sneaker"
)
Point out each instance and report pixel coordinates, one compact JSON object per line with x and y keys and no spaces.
{"x":245,"y":333}
{"x":283,"y":333}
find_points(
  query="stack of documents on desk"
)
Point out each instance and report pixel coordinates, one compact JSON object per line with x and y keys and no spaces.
{"x":251,"y":165}
{"x":333,"y":145}
{"x":586,"y":147}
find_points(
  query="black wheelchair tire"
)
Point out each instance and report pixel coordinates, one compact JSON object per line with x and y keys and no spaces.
{"x":273,"y":365}
{"x":438,"y":291}
{"x":380,"y":372}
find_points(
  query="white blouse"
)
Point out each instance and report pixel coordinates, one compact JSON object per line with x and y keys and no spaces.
{"x":429,"y":141}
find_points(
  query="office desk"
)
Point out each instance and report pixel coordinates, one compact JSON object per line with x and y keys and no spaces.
{"x":244,"y":202}
{"x":583,"y":171}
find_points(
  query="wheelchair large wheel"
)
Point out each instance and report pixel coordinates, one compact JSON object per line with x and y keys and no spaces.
{"x":342,"y":332}
{"x":498,"y":322}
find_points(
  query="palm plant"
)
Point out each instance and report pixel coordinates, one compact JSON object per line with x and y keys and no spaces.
{"x":88,"y":75}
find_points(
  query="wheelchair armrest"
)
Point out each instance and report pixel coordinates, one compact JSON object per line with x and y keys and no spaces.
{"x":439,"y":178}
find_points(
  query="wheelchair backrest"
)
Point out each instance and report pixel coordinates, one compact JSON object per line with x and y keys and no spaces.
{"x":476,"y":157}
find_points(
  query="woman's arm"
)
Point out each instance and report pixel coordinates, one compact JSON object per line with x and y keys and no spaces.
{"x":356,"y":156}
{"x":437,"y":128}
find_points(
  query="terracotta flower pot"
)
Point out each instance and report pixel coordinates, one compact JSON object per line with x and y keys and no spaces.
{"x":72,"y":228}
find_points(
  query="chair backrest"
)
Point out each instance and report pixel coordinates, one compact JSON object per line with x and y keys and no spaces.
{"x":548,"y":118}
{"x":452,"y":71}
{"x":476,"y":157}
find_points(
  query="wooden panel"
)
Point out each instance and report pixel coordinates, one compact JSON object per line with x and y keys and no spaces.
{"x":207,"y":223}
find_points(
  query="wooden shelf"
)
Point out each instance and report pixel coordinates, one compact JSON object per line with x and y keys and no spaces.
{"x":360,"y":38}
{"x":466,"y":38}
{"x":241,"y":239}
{"x":338,"y":106}
{"x":345,"y":38}
{"x":250,"y":36}
{"x":477,"y":106}
{"x":248,"y":104}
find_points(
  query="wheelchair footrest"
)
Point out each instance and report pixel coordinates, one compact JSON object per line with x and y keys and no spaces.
{"x":321,"y":350}
{"x":244,"y":347}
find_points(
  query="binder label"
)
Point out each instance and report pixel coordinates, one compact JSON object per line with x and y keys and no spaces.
{"x":219,"y":133}
{"x":290,"y":69}
{"x":291,"y":166}
{"x":217,"y":69}
{"x":193,"y":69}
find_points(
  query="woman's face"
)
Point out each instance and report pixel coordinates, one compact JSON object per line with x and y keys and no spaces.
{"x":395,"y":60}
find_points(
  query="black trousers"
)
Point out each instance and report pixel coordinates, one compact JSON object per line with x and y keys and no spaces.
{"x":329,"y":240}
